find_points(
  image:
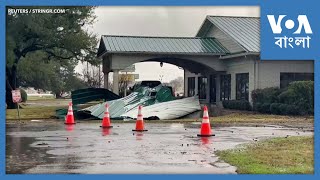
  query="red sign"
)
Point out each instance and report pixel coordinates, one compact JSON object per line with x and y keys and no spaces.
{"x":16,"y":96}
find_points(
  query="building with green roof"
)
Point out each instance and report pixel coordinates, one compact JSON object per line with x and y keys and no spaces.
{"x":222,"y":62}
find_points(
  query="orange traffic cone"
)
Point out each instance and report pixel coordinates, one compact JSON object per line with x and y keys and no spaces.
{"x":106,"y":118}
{"x":139,"y":122}
{"x":139,"y":136}
{"x":205,"y":140}
{"x":70,"y":127}
{"x":106,"y":131}
{"x":69,"y":118}
{"x":205,"y":126}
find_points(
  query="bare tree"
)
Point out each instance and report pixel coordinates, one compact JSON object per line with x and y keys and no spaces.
{"x":124,"y":81}
{"x":92,"y":75}
{"x":177,"y":84}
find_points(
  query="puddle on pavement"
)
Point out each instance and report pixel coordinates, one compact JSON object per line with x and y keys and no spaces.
{"x":88,"y":149}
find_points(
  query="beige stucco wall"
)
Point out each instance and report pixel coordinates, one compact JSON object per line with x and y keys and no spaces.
{"x":269,"y":71}
{"x":262,"y":74}
{"x":241,"y":65}
{"x":122,"y":61}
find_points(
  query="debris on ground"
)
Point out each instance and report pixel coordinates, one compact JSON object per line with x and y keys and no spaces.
{"x":158,"y":103}
{"x":82,"y":96}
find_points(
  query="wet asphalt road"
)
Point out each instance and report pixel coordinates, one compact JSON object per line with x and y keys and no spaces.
{"x":85,"y":148}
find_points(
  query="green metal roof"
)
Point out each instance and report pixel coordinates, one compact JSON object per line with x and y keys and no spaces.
{"x":160,"y":45}
{"x":244,"y":30}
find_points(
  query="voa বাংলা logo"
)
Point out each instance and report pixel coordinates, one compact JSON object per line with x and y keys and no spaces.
{"x":291,"y":33}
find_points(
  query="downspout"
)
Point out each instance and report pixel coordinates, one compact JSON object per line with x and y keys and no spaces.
{"x":256,"y":63}
{"x":185,"y":90}
{"x":255,"y":75}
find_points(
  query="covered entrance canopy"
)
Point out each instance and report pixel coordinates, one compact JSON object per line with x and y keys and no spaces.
{"x":160,"y":45}
{"x":194,"y":54}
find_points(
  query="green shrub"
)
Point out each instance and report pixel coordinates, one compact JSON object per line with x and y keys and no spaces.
{"x":301,"y":95}
{"x":292,"y":110}
{"x":298,"y":98}
{"x":287,"y":109}
{"x":266,"y":95}
{"x":263,"y":108}
{"x":257,"y":107}
{"x":237,"y":104}
{"x":24,"y":95}
{"x":275,"y":108}
{"x":284,"y":109}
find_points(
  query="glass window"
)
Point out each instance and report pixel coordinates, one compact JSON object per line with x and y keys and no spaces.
{"x":191,"y":86}
{"x":202,"y":87}
{"x":242,"y":86}
{"x":287,"y":78}
{"x":225,"y":87}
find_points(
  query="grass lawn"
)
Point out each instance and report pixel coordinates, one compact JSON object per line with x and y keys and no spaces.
{"x":28,"y":112}
{"x":236,"y":119}
{"x":292,"y":155}
{"x":35,"y":112}
{"x":38,"y":111}
{"x":46,"y":109}
{"x":33,"y":98}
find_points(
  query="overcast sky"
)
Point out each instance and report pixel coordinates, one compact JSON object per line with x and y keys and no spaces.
{"x":160,"y":21}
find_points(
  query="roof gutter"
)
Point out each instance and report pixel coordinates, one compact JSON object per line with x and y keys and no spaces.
{"x":101,"y":55}
{"x":239,"y":55}
{"x":160,"y":53}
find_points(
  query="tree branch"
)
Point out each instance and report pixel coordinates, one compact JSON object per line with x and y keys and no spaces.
{"x":33,"y":47}
{"x":52,"y":54}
